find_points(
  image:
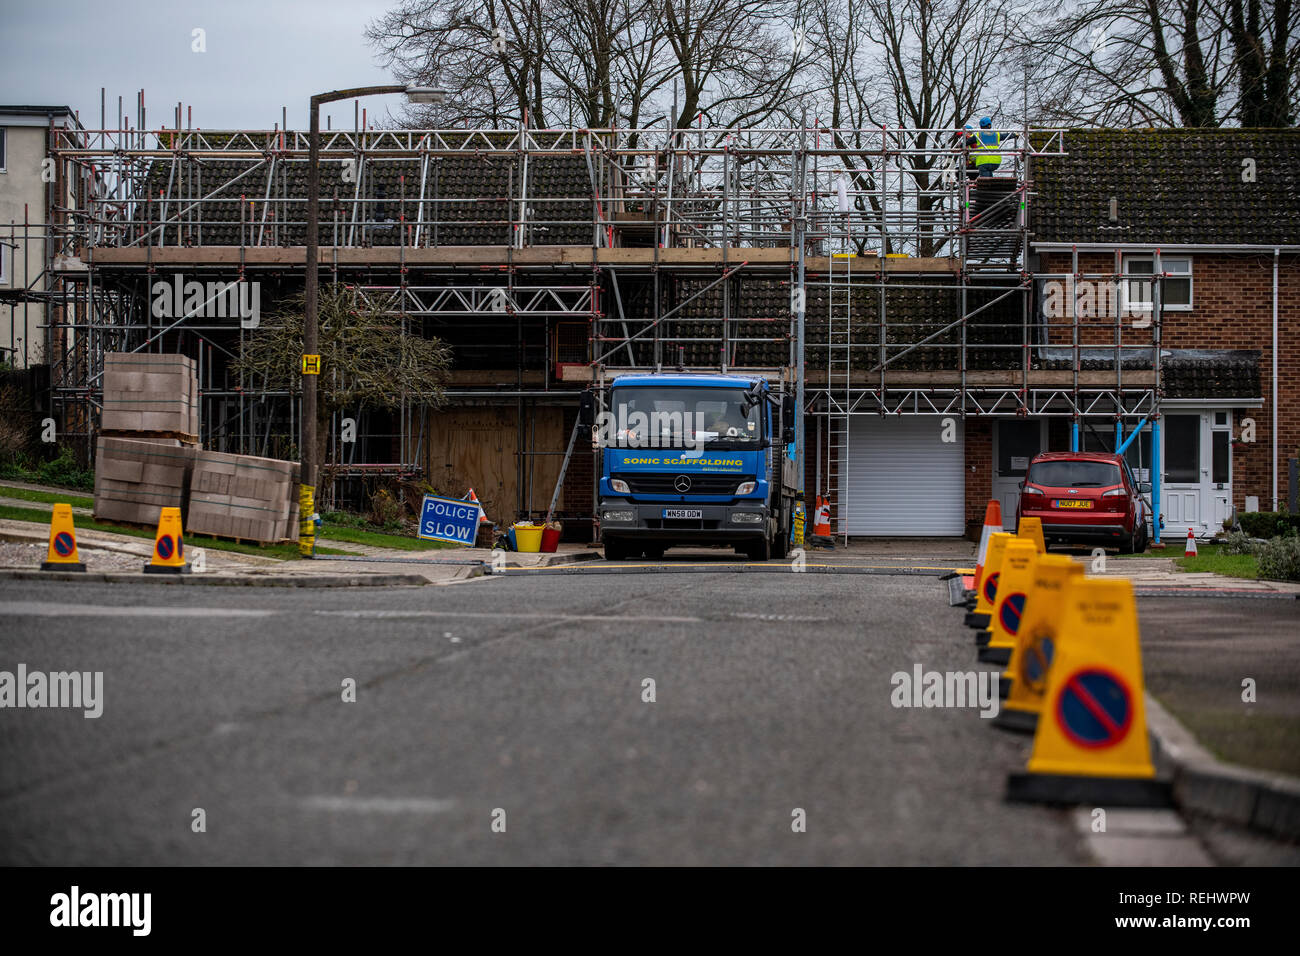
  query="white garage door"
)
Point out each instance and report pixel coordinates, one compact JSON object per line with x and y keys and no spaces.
{"x":903,"y":479}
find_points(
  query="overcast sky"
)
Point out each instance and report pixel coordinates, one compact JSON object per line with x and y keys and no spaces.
{"x":261,"y":55}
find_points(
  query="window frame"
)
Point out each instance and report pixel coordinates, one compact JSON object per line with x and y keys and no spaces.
{"x":1138,"y":305}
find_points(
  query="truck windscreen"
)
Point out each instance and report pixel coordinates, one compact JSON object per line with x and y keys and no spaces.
{"x":682,"y":417}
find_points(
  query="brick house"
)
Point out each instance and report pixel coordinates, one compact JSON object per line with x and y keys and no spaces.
{"x":1217,"y":215}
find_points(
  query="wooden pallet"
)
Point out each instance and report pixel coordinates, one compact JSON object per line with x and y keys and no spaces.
{"x":146,"y":436}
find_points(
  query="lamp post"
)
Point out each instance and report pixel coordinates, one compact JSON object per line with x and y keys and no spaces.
{"x":311,"y":327}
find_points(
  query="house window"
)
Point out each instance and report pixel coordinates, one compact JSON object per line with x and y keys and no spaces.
{"x":1183,"y":449}
{"x":1138,"y":287}
{"x":4,"y":150}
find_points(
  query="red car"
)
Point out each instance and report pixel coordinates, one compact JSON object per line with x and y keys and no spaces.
{"x":1085,"y":498}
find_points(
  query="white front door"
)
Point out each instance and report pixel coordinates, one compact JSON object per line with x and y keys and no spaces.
{"x":1015,"y":442}
{"x":1196,"y":464}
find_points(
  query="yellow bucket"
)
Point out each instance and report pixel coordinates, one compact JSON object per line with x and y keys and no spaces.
{"x":528,"y":537}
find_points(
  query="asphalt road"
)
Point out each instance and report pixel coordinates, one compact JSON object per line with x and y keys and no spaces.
{"x":521,"y":693}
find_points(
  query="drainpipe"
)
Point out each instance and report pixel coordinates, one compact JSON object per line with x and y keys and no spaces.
{"x":1276,"y":251}
{"x":1155,"y":479}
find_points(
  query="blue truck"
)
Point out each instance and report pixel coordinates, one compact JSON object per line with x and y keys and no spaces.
{"x":695,"y":460}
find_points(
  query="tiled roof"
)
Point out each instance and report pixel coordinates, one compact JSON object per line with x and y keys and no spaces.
{"x":1185,"y":373}
{"x":1227,"y":374}
{"x":1171,"y":186}
{"x":470,"y":191}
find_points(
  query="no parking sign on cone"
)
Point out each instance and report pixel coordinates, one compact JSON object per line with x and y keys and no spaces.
{"x":1091,"y":746}
{"x":1025,"y":680}
{"x":168,"y":546}
{"x":987,"y":591}
{"x":1016,"y":584}
{"x":62,"y":554}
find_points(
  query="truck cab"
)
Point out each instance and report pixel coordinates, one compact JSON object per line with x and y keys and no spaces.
{"x":695,"y":460}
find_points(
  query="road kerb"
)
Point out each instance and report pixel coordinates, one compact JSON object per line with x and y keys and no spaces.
{"x":224,"y":580}
{"x":1256,"y":799}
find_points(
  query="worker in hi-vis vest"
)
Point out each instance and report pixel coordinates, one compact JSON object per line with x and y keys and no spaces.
{"x":987,"y":157}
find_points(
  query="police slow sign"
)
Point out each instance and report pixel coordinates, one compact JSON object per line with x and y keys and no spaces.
{"x":448,"y":519}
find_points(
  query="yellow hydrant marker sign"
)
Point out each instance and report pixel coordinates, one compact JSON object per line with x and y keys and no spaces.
{"x":311,"y":364}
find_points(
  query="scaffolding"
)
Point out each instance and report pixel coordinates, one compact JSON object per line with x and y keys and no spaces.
{"x":552,"y":260}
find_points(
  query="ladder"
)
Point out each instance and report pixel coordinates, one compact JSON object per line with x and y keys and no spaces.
{"x":839,"y":390}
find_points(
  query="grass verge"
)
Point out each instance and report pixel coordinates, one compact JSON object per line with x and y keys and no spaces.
{"x":46,"y":497}
{"x":379,"y":539}
{"x":1210,"y":558}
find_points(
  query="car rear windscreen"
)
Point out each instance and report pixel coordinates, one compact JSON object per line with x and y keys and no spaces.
{"x":1073,"y":474}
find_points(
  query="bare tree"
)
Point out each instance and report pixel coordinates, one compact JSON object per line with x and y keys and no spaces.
{"x":1266,"y":47}
{"x":601,"y":62}
{"x":925,"y":65}
{"x":732,"y":58}
{"x":490,"y":55}
{"x":1192,"y":63}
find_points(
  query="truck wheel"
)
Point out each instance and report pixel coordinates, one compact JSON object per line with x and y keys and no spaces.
{"x":761,"y":550}
{"x":615,"y":551}
{"x":781,"y":545}
{"x":654,"y":553}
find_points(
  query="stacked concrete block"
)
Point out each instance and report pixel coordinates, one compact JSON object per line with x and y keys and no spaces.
{"x":136,"y":479}
{"x":150,"y":393}
{"x":239,"y":496}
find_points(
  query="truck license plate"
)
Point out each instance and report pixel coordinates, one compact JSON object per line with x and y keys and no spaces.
{"x":683,"y":513}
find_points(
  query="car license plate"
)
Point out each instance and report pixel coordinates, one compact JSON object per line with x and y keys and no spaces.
{"x":1073,"y":503}
{"x":683,"y":513}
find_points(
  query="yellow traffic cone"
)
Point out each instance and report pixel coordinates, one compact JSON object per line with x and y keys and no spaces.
{"x":62,"y":554}
{"x":1091,"y":745}
{"x":168,"y":546}
{"x":1016,"y":581}
{"x":986,"y":593}
{"x":1025,"y":679}
{"x":1031,"y":529}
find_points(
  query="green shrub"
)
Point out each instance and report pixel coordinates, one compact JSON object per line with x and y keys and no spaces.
{"x":66,"y":471}
{"x":386,"y":511}
{"x":344,"y":519}
{"x":1279,"y":559}
{"x":1237,"y":542}
{"x":1269,"y":524}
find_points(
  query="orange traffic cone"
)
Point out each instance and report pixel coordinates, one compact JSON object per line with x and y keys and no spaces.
{"x":482,"y":513}
{"x":992,"y":525}
{"x":822,"y":526}
{"x":821,"y":535}
{"x":1190,"y":550}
